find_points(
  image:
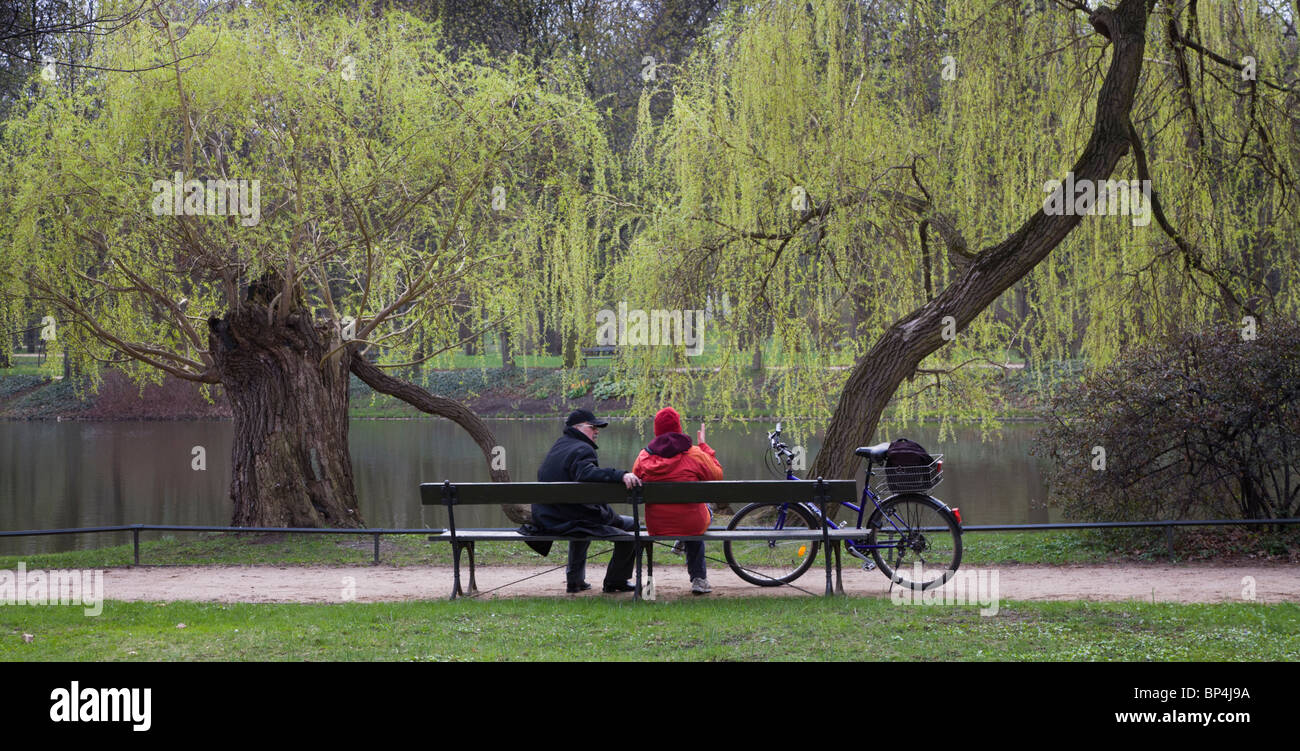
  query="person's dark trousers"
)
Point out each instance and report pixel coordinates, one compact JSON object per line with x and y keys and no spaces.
{"x":695,"y":559}
{"x":620,"y":565}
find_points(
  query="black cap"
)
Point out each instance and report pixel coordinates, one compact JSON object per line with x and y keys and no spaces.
{"x":578,"y":416}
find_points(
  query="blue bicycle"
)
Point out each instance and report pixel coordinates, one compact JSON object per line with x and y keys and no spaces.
{"x":913,"y":539}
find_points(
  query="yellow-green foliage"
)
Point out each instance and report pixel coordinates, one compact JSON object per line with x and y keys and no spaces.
{"x":378,"y":158}
{"x":839,"y":103}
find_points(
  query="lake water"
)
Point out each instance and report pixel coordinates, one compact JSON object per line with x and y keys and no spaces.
{"x":83,"y":474}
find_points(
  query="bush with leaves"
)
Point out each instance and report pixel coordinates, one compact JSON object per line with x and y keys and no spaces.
{"x":609,"y":388}
{"x":1204,"y":424}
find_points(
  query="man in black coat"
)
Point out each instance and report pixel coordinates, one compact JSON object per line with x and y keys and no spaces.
{"x":573,"y":459}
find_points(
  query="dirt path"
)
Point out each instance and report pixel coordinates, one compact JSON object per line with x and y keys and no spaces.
{"x":1191,"y":582}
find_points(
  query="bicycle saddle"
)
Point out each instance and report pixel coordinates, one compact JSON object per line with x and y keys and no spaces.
{"x":873,"y":452}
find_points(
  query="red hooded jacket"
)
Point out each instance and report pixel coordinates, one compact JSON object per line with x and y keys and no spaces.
{"x":671,"y":458}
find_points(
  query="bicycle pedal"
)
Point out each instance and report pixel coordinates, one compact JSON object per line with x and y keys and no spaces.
{"x":868,"y":565}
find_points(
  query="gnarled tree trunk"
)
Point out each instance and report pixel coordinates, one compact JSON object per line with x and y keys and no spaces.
{"x":290,"y":462}
{"x":291,"y":465}
{"x":900,"y":350}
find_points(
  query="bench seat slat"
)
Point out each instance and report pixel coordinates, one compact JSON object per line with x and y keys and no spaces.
{"x":482,"y":535}
{"x":734,"y":492}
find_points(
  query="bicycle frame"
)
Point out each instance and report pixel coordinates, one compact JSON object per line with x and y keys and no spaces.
{"x":860,"y":509}
{"x":890,"y":534}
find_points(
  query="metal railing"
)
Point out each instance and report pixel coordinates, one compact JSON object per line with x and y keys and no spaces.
{"x":1167,"y":525}
{"x":136,"y":529}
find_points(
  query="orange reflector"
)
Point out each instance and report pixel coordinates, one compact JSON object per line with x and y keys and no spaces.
{"x":957,"y":513}
{"x":802,"y":549}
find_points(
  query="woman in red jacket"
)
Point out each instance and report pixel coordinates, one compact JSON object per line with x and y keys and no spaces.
{"x":670,"y":457}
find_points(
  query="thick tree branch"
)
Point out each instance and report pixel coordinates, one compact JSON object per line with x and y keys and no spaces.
{"x":442,"y":407}
{"x":138,"y":352}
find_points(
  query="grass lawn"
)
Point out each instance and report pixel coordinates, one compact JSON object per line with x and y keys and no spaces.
{"x":22,"y":364}
{"x":602,"y":629}
{"x":757,"y":628}
{"x":458,"y":360}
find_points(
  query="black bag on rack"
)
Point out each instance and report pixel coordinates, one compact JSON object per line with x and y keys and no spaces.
{"x":907,"y":467}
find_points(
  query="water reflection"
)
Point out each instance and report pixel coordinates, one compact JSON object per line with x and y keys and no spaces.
{"x":74,"y":474}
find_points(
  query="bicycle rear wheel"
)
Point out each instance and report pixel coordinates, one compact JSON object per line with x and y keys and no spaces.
{"x":771,"y":562}
{"x":922,"y":543}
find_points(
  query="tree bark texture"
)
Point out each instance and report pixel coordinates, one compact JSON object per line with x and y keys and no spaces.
{"x":290,"y":461}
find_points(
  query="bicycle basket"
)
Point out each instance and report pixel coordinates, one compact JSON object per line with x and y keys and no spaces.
{"x":909,"y":479}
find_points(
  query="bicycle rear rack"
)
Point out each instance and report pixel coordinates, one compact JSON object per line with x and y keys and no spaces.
{"x":890,"y":480}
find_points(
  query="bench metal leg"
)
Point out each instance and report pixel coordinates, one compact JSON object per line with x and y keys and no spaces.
{"x":839,"y":570}
{"x":455,"y":569}
{"x":473,"y":585}
{"x":829,"y":548}
{"x":649,"y":592}
{"x":634,"y":496}
{"x":636,"y":594}
{"x":820,"y":497}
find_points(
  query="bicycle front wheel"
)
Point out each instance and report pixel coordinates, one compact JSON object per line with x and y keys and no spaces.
{"x":771,"y":562}
{"x":918,"y":543}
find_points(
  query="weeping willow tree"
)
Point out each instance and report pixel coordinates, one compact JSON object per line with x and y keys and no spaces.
{"x":870,"y":186}
{"x":294,"y":198}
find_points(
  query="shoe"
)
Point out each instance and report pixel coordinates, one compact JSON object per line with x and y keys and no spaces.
{"x":616,"y":587}
{"x":576,"y":588}
{"x":679,"y":548}
{"x":700,"y":586}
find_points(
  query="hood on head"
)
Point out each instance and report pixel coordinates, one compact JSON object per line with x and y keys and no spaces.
{"x":667,"y":420}
{"x":669,"y":445}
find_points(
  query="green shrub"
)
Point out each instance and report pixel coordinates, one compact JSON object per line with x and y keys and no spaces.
{"x":1203,"y":424}
{"x":578,"y":389}
{"x":611,"y":389}
{"x":13,"y":384}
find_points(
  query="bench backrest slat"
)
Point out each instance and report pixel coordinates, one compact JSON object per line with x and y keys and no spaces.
{"x":735,"y":492}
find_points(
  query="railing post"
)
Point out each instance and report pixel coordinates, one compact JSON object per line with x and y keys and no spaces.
{"x":376,"y":548}
{"x":1169,"y":539}
{"x":135,"y":543}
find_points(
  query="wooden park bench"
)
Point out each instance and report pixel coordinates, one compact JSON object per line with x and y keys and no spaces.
{"x":591,"y":353}
{"x":736,"y":492}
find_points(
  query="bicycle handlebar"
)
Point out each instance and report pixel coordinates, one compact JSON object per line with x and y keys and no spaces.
{"x":780,"y":449}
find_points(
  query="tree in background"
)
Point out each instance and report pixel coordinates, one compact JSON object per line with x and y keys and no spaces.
{"x":301,"y":199}
{"x":624,"y":44}
{"x":621,"y":46}
{"x":50,"y":39}
{"x":869,"y":182}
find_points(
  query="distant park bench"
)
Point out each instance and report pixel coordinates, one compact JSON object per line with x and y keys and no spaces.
{"x":590,"y":353}
{"x":451,"y":495}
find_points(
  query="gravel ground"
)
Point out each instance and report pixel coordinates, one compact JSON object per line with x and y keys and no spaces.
{"x":1190,"y":582}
